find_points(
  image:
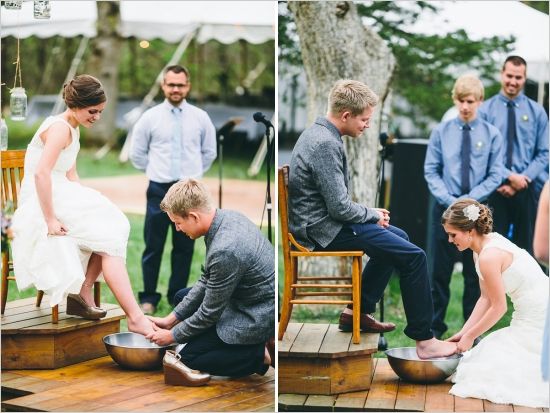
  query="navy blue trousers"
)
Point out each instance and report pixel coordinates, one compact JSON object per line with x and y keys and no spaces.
{"x":521,"y":211}
{"x":389,"y":249}
{"x":155,"y":231}
{"x":444,"y":255}
{"x":207,"y":352}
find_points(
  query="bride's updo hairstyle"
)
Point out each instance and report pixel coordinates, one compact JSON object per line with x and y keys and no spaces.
{"x":467,"y":214}
{"x":83,"y":91}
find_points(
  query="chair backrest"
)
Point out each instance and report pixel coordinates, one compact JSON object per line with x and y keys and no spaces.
{"x":13,"y":163}
{"x":283,"y":213}
{"x":287,"y":239}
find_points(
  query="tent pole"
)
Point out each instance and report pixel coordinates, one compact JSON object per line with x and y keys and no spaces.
{"x":148,"y":99}
{"x":70,"y":74}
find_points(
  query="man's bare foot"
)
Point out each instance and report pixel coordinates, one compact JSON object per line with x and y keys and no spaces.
{"x":432,"y":348}
{"x":142,"y":325}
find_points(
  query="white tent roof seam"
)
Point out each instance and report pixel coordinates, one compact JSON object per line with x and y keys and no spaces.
{"x":170,"y":21}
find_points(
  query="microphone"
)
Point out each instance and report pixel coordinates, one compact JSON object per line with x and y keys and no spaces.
{"x":260,"y":118}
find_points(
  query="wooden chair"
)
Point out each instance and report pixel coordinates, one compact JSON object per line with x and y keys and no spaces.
{"x":12,"y":174}
{"x":295,"y":284}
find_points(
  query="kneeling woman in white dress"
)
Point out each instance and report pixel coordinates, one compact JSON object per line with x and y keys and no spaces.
{"x":65,"y":234}
{"x":505,"y":366}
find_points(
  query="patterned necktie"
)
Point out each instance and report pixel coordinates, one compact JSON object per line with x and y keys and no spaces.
{"x":175,"y":167}
{"x":510,"y":133}
{"x":465,"y":157}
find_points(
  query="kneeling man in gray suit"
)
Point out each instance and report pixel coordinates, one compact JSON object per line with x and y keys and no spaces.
{"x":227,"y":317}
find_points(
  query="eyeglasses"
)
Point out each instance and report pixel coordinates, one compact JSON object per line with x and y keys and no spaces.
{"x":176,"y":85}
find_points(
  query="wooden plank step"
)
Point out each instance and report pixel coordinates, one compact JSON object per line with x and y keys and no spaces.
{"x":309,"y":340}
{"x":319,"y":403}
{"x":383,"y":392}
{"x":438,"y":398}
{"x":290,"y":335}
{"x":410,"y":397}
{"x":291,"y":402}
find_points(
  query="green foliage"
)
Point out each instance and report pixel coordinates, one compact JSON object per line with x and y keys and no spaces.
{"x":216,"y":69}
{"x":427,"y":65}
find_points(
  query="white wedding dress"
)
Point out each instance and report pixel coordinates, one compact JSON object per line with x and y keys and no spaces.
{"x":505,"y":367}
{"x":57,"y":264}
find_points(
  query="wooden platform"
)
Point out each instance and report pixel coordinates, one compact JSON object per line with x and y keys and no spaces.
{"x":320,"y":359}
{"x":389,"y":393}
{"x":100,"y":385}
{"x":31,"y":341}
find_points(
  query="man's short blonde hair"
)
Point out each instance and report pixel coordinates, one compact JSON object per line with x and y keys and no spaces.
{"x":187,"y":195}
{"x":350,"y":95}
{"x":467,"y":85}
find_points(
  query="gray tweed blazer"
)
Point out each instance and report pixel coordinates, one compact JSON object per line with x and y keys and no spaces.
{"x":318,"y":188}
{"x":236,"y":291}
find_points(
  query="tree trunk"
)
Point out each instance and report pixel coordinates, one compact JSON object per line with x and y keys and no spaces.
{"x":103,"y":63}
{"x":336,"y":45}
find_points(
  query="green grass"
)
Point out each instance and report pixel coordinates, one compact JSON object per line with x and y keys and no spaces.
{"x":393,"y":310}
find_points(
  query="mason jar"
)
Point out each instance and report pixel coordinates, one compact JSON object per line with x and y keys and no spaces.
{"x":13,"y":4}
{"x":18,"y":103}
{"x":42,"y":9}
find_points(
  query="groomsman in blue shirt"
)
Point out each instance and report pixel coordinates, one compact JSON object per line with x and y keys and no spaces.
{"x":171,"y":141}
{"x":463,"y":160}
{"x":524,"y":126}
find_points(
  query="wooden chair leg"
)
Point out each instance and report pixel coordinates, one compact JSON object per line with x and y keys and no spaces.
{"x":39,"y":296}
{"x":286,"y":308}
{"x":5,"y":272}
{"x":97,"y":293}
{"x":356,"y":298}
{"x":55,"y":314}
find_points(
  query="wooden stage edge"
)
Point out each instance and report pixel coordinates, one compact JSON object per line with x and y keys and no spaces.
{"x":389,"y":393}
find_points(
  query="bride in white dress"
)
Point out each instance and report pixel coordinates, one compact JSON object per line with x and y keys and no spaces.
{"x":505,"y":366}
{"x":65,"y":234}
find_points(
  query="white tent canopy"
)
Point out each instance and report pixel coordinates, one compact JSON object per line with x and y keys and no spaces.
{"x":496,"y":18}
{"x":170,"y":21}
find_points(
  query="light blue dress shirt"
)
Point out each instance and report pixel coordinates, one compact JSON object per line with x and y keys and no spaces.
{"x":442,"y":167}
{"x":153,"y":147}
{"x":530,"y":156}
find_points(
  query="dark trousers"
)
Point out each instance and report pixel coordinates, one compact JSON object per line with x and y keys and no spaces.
{"x":443,"y":257}
{"x":388,"y":249}
{"x":207,"y":352}
{"x":154,"y":233}
{"x":521,"y":211}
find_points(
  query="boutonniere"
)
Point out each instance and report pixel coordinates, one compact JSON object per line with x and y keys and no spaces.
{"x":525,"y":118}
{"x":479,"y":145}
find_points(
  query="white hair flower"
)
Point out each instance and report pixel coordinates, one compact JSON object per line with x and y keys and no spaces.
{"x":471,"y":212}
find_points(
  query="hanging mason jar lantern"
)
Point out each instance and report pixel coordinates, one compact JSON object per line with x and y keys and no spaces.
{"x":13,"y":4}
{"x":18,"y":103}
{"x":42,"y":9}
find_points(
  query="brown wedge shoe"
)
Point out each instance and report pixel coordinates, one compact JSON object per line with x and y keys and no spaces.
{"x":178,"y":374}
{"x":77,"y":306}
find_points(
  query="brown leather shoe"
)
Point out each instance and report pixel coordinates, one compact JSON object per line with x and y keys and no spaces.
{"x":77,"y":306}
{"x":178,"y":374}
{"x":368,"y":324}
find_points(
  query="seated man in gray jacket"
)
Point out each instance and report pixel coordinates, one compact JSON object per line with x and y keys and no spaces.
{"x":322,"y":216}
{"x":229,"y":314}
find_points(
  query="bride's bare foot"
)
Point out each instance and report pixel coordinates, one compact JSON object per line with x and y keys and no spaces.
{"x":431,"y":348}
{"x":141,"y":325}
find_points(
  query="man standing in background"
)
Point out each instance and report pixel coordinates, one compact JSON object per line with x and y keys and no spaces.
{"x":171,"y":141}
{"x":523,"y":124}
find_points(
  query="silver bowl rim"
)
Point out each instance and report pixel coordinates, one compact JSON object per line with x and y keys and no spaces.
{"x":446,"y":358}
{"x":134,"y":347}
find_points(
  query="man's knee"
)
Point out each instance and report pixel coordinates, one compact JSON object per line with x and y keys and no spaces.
{"x":399,"y":232}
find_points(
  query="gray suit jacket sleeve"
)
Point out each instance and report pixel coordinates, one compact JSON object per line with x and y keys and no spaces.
{"x":192,"y":301}
{"x":327,"y":170}
{"x":221,"y":282}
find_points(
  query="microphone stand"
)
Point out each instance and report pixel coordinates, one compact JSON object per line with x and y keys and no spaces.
{"x":224,"y":131}
{"x":269,"y":163}
{"x":382,"y":342}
